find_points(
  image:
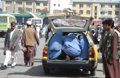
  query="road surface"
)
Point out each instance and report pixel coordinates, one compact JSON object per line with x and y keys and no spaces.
{"x":36,"y":71}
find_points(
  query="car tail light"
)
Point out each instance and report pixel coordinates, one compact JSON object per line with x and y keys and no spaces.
{"x":45,"y":52}
{"x":91,"y":53}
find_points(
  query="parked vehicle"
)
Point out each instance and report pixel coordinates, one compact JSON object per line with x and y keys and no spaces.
{"x":70,"y":46}
{"x":36,"y":21}
{"x":5,"y":20}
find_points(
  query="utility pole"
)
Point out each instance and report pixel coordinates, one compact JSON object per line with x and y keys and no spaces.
{"x":14,"y":9}
{"x":23,"y":6}
{"x":91,"y":9}
{"x":49,"y":6}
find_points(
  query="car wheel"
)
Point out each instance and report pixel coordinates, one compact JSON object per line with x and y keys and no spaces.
{"x":92,"y":73}
{"x":85,"y":71}
{"x":46,"y":70}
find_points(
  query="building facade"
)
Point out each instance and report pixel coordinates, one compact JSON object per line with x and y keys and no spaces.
{"x":24,"y":6}
{"x":57,"y":6}
{"x":88,"y":8}
{"x":97,"y":8}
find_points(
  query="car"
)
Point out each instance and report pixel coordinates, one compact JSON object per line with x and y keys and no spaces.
{"x":36,"y":21}
{"x":60,"y":52}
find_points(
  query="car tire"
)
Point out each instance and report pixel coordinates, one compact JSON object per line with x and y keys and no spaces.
{"x":46,"y":70}
{"x":92,"y":72}
{"x":85,"y":71}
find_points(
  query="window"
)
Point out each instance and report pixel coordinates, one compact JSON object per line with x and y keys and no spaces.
{"x":54,"y":4}
{"x":74,"y":4}
{"x":102,"y":5}
{"x":44,"y":3}
{"x":19,"y":2}
{"x":88,"y":12}
{"x":116,"y":12}
{"x":96,"y":8}
{"x":117,"y":5}
{"x":8,"y":2}
{"x":12,"y":19}
{"x":88,"y":5}
{"x":95,"y":16}
{"x":95,"y":13}
{"x":81,"y":5}
{"x":109,"y":6}
{"x":102,"y":12}
{"x":3,"y":19}
{"x":29,"y":9}
{"x":20,"y":9}
{"x":36,"y":21}
{"x":37,"y":3}
{"x":59,"y":5}
{"x":37,"y":10}
{"x":109,"y":12}
{"x":28,"y":3}
{"x":81,"y":11}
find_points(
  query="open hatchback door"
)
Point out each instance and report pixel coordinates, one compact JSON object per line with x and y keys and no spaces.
{"x":70,"y":24}
{"x":70,"y":45}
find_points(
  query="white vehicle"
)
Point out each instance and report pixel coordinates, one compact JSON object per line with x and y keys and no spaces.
{"x":36,"y":21}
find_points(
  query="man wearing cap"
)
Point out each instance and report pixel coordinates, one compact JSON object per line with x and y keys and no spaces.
{"x":29,"y":41}
{"x":111,"y":50}
{"x":11,"y":45}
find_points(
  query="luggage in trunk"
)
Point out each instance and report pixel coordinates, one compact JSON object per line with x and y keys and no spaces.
{"x":62,"y":46}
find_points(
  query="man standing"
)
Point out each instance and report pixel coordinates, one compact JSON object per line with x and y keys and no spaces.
{"x":11,"y":45}
{"x":102,"y":49}
{"x":29,"y":41}
{"x":110,"y":60}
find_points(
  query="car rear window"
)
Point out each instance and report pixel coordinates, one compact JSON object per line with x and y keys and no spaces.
{"x":69,"y":22}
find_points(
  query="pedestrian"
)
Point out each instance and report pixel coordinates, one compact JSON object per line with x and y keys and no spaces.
{"x":102,"y":48}
{"x":116,"y":52}
{"x":37,"y":28}
{"x":109,"y":51}
{"x":92,"y":34}
{"x":46,"y":29}
{"x":98,"y":34}
{"x":38,"y":31}
{"x":29,"y":41}
{"x":11,"y":46}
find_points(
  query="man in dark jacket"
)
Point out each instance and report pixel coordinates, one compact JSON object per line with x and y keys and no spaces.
{"x":11,"y":45}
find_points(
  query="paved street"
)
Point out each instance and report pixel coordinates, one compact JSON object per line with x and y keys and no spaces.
{"x":20,"y":71}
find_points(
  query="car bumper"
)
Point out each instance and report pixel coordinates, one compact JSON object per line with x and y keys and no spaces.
{"x":69,"y":64}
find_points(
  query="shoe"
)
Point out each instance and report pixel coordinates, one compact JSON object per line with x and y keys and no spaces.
{"x":27,"y":65}
{"x":32,"y":64}
{"x":12,"y":66}
{"x":3,"y":67}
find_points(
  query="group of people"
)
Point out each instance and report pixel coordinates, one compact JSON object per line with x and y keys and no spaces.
{"x":28,"y":40}
{"x":110,"y":48}
{"x":95,"y":32}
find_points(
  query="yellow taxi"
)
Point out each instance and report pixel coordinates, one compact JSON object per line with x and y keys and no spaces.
{"x":82,"y":56}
